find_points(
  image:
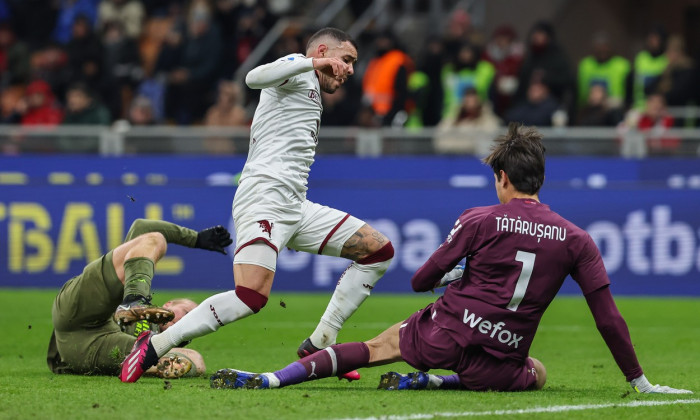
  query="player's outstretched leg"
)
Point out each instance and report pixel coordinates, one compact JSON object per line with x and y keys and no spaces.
{"x":213,"y":313}
{"x":306,"y":349}
{"x":322,"y":364}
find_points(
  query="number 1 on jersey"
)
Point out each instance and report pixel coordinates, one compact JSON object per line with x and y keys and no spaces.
{"x":528,"y":260}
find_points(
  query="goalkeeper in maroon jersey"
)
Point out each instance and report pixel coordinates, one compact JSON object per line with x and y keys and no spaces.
{"x":518,"y":254}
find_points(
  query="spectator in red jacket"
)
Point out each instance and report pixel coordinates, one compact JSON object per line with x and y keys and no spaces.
{"x":654,"y":122}
{"x":39,"y":106}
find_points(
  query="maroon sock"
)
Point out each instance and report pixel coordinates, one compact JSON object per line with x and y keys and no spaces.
{"x":335,"y":360}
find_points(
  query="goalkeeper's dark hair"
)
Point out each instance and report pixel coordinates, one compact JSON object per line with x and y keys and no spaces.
{"x":520,"y":154}
{"x":333,"y":33}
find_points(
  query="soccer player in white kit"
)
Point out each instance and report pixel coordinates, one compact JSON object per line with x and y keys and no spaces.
{"x":270,"y":209}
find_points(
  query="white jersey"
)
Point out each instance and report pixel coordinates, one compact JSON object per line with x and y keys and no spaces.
{"x":284,"y":132}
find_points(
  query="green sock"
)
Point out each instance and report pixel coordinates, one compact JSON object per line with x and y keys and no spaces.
{"x":138,"y":273}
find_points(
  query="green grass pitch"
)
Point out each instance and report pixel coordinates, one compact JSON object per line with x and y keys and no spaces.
{"x":583,"y":379}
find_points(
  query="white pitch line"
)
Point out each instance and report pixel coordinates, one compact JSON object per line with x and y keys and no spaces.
{"x":551,"y":409}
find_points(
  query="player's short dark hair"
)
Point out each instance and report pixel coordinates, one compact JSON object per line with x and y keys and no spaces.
{"x":333,"y":33}
{"x":520,"y":154}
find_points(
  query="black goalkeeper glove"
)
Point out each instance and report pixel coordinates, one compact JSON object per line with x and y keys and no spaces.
{"x":215,"y":238}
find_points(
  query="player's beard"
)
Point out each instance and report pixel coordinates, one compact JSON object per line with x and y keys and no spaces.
{"x":329,"y":84}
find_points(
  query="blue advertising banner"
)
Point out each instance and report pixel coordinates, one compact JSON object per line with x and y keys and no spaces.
{"x":59,"y":213}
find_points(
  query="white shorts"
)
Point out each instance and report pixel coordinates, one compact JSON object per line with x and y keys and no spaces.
{"x":268,"y":212}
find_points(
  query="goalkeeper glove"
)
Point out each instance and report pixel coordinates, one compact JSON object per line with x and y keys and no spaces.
{"x":215,"y":238}
{"x":643,"y":386}
{"x":451,"y":276}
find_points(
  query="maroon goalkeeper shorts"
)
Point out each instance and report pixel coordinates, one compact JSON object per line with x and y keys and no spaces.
{"x":426,"y":346}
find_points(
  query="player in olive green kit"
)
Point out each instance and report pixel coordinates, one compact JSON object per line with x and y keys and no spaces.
{"x":89,"y":337}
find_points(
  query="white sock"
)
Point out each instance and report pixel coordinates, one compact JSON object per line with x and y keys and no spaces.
{"x":210,"y":315}
{"x":272,"y":379}
{"x":434,"y":382}
{"x":353,"y":288}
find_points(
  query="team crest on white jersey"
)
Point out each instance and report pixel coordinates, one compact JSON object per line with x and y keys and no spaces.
{"x":314,"y":96}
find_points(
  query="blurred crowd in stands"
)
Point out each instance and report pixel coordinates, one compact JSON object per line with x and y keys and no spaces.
{"x":173,"y":62}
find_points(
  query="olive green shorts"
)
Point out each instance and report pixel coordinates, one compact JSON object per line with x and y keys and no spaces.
{"x":86,"y":339}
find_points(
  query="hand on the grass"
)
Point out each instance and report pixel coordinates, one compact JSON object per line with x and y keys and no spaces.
{"x":643,"y":386}
{"x":451,"y":276}
{"x":215,"y":238}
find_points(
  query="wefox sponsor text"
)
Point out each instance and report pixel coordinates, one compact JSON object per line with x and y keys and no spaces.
{"x":493,"y":330}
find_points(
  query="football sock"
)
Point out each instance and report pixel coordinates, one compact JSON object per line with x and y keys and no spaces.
{"x":138,"y":273}
{"x":331,"y":361}
{"x":294,"y":373}
{"x":210,"y":315}
{"x":354,"y":286}
{"x":445,"y":381}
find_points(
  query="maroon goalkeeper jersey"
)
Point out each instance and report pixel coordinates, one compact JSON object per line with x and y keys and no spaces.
{"x":518,"y":255}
